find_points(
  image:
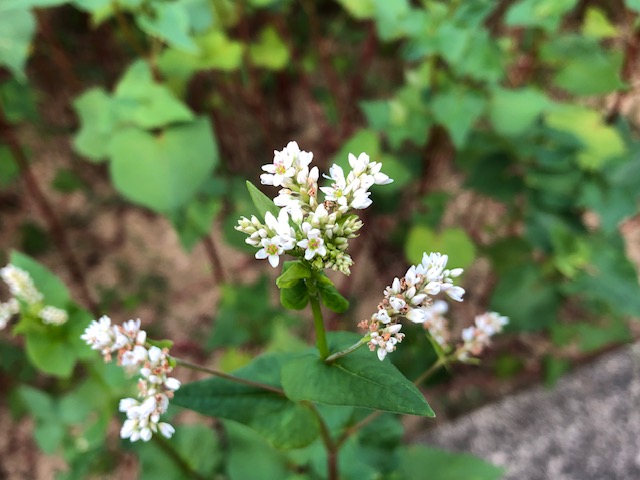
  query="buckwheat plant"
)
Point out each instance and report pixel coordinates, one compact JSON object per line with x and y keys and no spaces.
{"x":26,"y":299}
{"x":291,"y":398}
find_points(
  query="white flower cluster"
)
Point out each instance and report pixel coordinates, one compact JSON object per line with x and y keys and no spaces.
{"x":474,"y":339}
{"x":410,"y":298}
{"x":155,"y":387}
{"x":477,"y":337}
{"x":24,"y":291}
{"x":306,"y":227}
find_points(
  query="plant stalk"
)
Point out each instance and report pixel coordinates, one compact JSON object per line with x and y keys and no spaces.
{"x":347,"y":351}
{"x":170,"y":450}
{"x":321,"y":336}
{"x":331,"y":446}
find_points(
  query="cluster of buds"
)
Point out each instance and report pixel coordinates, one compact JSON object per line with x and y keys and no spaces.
{"x":306,"y":227}
{"x":155,"y":386}
{"x":410,"y":298}
{"x":24,"y":292}
{"x":476,"y":338}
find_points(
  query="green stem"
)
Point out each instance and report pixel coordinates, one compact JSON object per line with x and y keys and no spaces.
{"x":347,"y":351}
{"x":321,"y":336}
{"x":331,"y":446}
{"x":430,"y":371}
{"x":170,"y":450}
{"x":199,"y":368}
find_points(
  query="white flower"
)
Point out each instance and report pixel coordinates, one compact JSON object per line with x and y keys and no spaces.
{"x":271,"y":249}
{"x":20,"y":284}
{"x":7,"y":310}
{"x":397,"y":304}
{"x":279,"y":170}
{"x":166,"y":430}
{"x":361,"y":199}
{"x":454,"y":292}
{"x":338,"y":191}
{"x":53,"y":316}
{"x":313,"y":244}
{"x":280,"y":226}
{"x":491,"y":323}
{"x":99,"y":334}
{"x":382,"y":316}
{"x":359,"y":164}
{"x":416,"y":315}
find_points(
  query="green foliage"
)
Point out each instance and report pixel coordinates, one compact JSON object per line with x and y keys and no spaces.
{"x":454,"y":241}
{"x":157,"y":178}
{"x":196,"y":448}
{"x":501,"y":91}
{"x":17,"y":27}
{"x":445,"y":466}
{"x":358,"y":379}
{"x":283,"y":423}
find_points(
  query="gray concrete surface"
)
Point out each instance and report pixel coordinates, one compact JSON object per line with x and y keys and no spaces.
{"x":586,"y":428}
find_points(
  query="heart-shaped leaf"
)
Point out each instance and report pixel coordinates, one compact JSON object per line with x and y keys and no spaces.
{"x":163,"y":172}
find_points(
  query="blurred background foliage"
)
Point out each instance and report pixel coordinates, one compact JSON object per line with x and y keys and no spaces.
{"x":510,"y":128}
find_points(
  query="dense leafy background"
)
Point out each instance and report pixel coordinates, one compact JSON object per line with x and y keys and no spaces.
{"x":509,"y":128}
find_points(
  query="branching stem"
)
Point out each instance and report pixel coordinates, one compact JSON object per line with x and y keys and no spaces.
{"x":347,"y":351}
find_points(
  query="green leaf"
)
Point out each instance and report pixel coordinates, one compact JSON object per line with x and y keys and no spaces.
{"x":219,"y":52}
{"x":295,"y":297}
{"x":358,"y":379}
{"x":50,"y":353}
{"x":195,"y":221}
{"x":169,"y":22}
{"x":452,"y":241}
{"x":633,"y":5}
{"x":546,"y":14}
{"x":554,"y":368}
{"x":66,"y":181}
{"x":164,"y":171}
{"x":441,"y":465}
{"x":595,"y":74}
{"x":262,"y":203}
{"x":97,"y":121}
{"x":597,"y":25}
{"x":18,"y":101}
{"x":292,"y":272}
{"x":283,"y":423}
{"x":512,"y":112}
{"x":140,"y":101}
{"x":601,"y":141}
{"x":269,"y":51}
{"x":39,"y":403}
{"x":359,"y":9}
{"x":8,"y":168}
{"x":54,"y":291}
{"x":457,"y":110}
{"x":17,"y":27}
{"x":27,"y":4}
{"x":610,"y":278}
{"x":331,"y":298}
{"x":377,"y":113}
{"x":250,"y":457}
{"x":364,"y":140}
{"x":529,"y":300}
{"x":196,"y":445}
{"x":245,"y":316}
